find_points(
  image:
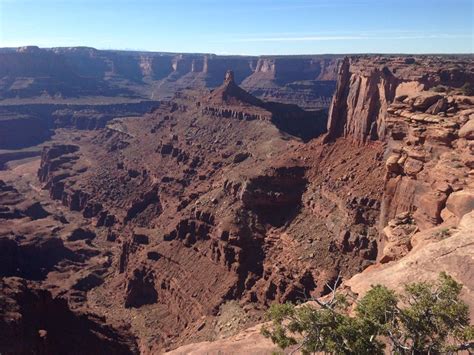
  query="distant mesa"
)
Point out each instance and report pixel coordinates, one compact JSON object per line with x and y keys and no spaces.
{"x":76,"y":73}
{"x":28,"y":49}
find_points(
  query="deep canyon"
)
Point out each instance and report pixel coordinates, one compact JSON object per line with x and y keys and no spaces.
{"x":160,"y":202}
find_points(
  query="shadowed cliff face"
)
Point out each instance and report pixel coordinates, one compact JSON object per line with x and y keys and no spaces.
{"x":48,"y":326}
{"x":26,"y":125}
{"x":30,"y":72}
{"x":288,"y":118}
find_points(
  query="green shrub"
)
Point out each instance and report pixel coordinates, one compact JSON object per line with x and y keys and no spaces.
{"x":439,"y":88}
{"x":428,"y":318}
{"x":443,"y":233}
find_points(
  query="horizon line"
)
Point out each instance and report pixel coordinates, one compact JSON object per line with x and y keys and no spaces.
{"x":240,"y":54}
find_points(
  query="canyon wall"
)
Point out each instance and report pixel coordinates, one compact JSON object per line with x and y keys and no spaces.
{"x":30,"y":72}
{"x":123,"y":216}
{"x":25,"y":125}
{"x":418,"y":109}
{"x":367,"y":85}
{"x":360,"y":101}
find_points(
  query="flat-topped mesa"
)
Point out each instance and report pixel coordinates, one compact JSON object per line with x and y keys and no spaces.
{"x":28,"y":49}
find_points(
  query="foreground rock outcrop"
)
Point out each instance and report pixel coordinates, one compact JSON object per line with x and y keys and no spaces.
{"x":448,"y":249}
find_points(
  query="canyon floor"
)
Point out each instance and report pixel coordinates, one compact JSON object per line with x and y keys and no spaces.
{"x":170,"y":225}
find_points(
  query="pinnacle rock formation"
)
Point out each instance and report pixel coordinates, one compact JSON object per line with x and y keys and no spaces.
{"x":230,"y":93}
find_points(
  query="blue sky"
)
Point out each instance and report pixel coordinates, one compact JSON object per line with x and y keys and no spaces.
{"x":243,"y":26}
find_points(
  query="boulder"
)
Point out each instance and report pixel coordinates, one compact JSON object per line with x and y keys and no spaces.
{"x":468,"y":160}
{"x":430,"y":205}
{"x":240,"y":157}
{"x":398,"y":235}
{"x":412,"y":166}
{"x":392,"y":164}
{"x":439,"y":136}
{"x":423,"y":102}
{"x":439,"y":106}
{"x":460,"y":202}
{"x":467,"y":131}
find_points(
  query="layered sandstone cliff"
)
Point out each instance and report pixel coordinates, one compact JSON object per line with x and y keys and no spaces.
{"x":29,"y":124}
{"x":366,"y":86}
{"x":74,"y":72}
{"x":428,"y":154}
